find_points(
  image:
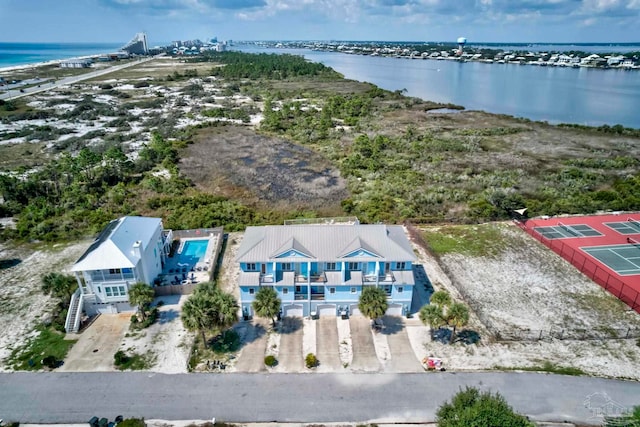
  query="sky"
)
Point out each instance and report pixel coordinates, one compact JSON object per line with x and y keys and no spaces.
{"x":115,"y":21}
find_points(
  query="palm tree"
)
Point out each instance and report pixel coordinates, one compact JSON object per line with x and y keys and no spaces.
{"x":457,"y":317}
{"x":225,"y":309}
{"x":209,"y":310}
{"x":440,"y":298}
{"x":373,"y":302}
{"x":442,"y":311}
{"x":196,"y":314}
{"x":59,"y":285}
{"x":142,"y":295}
{"x":206,"y":288}
{"x":432,"y":315}
{"x":267,"y":303}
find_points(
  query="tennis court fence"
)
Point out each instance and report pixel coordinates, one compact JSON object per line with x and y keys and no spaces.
{"x":581,"y":261}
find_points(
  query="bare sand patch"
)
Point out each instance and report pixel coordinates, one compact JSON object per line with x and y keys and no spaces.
{"x":523,"y":293}
{"x":166,"y":342}
{"x":23,"y":304}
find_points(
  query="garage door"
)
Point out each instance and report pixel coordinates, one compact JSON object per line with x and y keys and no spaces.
{"x":293,"y":310}
{"x":326,"y":310}
{"x":394,"y":310}
{"x":354,"y":310}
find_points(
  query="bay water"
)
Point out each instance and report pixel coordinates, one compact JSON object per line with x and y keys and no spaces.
{"x":586,"y":96}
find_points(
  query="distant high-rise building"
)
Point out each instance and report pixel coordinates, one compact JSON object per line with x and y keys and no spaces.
{"x":137,"y":45}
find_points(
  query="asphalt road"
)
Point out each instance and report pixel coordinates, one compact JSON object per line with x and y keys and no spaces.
{"x":76,"y":397}
{"x":15,"y":93}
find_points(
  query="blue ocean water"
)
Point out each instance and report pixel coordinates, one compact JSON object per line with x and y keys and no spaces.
{"x":12,"y":54}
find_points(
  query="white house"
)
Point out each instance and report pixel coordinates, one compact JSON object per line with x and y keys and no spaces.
{"x":130,"y":249}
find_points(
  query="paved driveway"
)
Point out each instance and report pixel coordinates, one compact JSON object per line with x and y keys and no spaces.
{"x":97,"y":344}
{"x":290,"y":357}
{"x":364,"y":351}
{"x":327,"y":348}
{"x":403,"y":358}
{"x":253,"y":335}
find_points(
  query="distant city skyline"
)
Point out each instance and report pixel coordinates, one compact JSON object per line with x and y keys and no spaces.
{"x":111,"y":21}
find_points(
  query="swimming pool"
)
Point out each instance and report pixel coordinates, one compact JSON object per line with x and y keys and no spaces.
{"x":193,"y":252}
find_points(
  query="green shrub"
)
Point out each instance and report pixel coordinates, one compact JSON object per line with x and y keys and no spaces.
{"x":270,"y":361}
{"x":226,"y":342}
{"x":132,"y":422}
{"x":311,"y":361}
{"x":120,"y":358}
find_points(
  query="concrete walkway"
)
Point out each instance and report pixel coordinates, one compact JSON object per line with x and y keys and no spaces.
{"x":364,"y":351}
{"x":290,"y":357}
{"x":327,"y":349}
{"x":406,"y":398}
{"x":253,"y":335}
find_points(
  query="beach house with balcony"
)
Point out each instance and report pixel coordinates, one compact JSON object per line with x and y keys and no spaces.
{"x":130,"y":249}
{"x":321,"y":269}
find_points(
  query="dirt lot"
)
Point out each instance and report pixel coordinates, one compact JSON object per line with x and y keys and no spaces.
{"x":23,"y":304}
{"x":235,"y":160}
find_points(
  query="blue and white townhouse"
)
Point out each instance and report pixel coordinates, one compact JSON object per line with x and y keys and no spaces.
{"x":322,"y":269}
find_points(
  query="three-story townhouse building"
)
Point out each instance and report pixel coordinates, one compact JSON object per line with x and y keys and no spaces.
{"x":322,"y":269}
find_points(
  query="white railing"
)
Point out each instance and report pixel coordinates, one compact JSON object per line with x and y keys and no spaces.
{"x":78,"y":318}
{"x":74,"y":297}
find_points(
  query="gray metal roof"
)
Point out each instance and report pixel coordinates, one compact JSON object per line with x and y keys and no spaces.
{"x":326,"y":243}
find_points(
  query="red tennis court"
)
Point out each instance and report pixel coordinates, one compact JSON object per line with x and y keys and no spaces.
{"x":604,"y":247}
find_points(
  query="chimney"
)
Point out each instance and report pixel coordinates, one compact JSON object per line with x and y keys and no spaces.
{"x":137,"y":249}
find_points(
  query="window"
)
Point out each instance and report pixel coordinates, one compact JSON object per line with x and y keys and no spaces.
{"x":353,"y":290}
{"x":251,"y":266}
{"x":331,"y":266}
{"x":114,"y":271}
{"x":400,"y":289}
{"x":354,"y":266}
{"x":298,"y":289}
{"x":286,"y":266}
{"x":285,"y":291}
{"x":114,"y":291}
{"x":99,"y":291}
{"x":400,"y":265}
{"x":332,"y":290}
{"x":252,"y":291}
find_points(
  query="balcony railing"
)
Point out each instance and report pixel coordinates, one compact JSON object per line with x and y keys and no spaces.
{"x":373,"y":278}
{"x":300,"y":296}
{"x":111,"y":277}
{"x":317,"y":297}
{"x":314,"y":278}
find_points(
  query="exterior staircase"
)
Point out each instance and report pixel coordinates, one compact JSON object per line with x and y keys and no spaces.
{"x":72,"y":323}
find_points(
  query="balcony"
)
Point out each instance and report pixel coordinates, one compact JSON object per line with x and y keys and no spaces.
{"x":317,"y":297}
{"x":99,"y":277}
{"x":374,"y":278}
{"x":300,"y":297}
{"x":314,"y":278}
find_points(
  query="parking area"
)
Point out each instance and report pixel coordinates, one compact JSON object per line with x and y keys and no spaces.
{"x":254,"y":336}
{"x":327,"y":346}
{"x":363,"y":348}
{"x":403,"y":358}
{"x":97,"y":344}
{"x":290,"y":354}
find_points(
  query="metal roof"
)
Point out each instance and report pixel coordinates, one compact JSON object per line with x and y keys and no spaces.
{"x":325,"y":243}
{"x":113,"y":248}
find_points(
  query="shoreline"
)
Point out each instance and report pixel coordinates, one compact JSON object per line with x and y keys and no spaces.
{"x":45,"y":63}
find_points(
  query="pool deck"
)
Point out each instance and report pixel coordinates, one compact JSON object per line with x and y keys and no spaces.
{"x":176,"y":273}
